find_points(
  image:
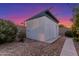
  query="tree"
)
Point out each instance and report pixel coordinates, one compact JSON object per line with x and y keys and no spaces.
{"x":75,"y":26}
{"x":61,"y":25}
{"x":8,"y":31}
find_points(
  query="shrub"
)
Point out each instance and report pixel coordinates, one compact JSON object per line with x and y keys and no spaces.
{"x":7,"y":31}
{"x":22,"y":35}
{"x":69,"y":33}
{"x":76,"y":36}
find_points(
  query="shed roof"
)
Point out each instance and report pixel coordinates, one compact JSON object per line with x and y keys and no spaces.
{"x":44,"y":13}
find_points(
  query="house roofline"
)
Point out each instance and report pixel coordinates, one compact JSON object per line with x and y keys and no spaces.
{"x":46,"y":12}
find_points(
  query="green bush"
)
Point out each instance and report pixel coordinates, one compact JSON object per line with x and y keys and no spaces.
{"x":69,"y":33}
{"x":76,"y":36}
{"x":7,"y":31}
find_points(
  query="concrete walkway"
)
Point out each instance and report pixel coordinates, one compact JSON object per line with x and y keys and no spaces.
{"x":68,"y":48}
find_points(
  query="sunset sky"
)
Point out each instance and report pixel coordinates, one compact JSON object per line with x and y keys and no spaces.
{"x":17,"y":13}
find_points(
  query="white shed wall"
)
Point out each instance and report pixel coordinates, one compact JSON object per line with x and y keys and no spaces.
{"x":42,"y":29}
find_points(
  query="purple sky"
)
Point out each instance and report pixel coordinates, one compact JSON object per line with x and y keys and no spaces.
{"x":20,"y":12}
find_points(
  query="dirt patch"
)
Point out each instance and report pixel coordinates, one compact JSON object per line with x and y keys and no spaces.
{"x":32,"y":48}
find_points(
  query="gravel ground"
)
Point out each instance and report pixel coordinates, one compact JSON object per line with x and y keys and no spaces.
{"x":32,"y":48}
{"x":77,"y":47}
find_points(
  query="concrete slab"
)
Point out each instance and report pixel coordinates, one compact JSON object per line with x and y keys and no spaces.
{"x":68,"y":48}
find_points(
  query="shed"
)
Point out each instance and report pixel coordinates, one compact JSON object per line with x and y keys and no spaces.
{"x":42,"y":27}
